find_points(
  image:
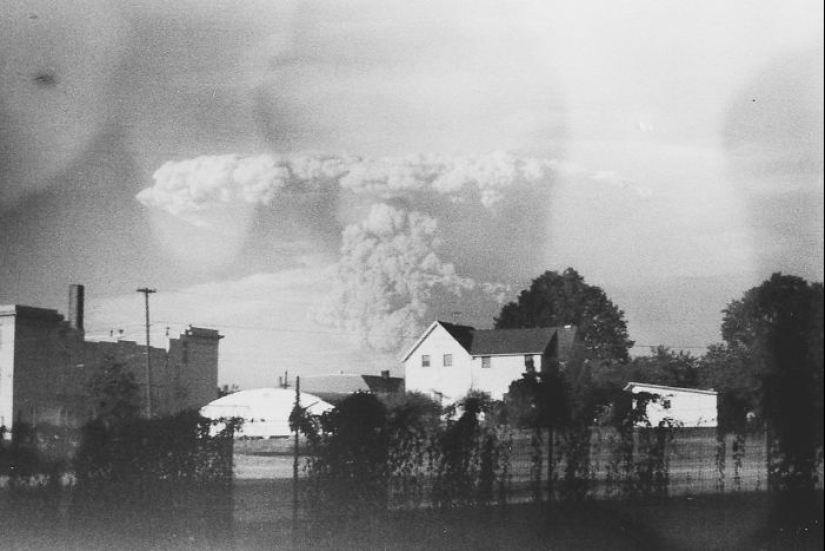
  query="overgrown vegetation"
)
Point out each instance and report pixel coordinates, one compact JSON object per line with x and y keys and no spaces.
{"x":370,"y":456}
{"x":143,"y":454}
{"x":119,"y":465}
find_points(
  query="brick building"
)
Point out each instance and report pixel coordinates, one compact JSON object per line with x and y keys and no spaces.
{"x":46,"y":364}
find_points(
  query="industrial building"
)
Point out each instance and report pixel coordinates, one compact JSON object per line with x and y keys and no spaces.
{"x":46,"y":364}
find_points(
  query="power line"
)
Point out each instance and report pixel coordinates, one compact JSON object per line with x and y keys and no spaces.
{"x":221,"y":295}
{"x":344,"y":332}
{"x":294,"y":330}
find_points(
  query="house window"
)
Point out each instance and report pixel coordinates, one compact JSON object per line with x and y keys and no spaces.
{"x":425,"y":360}
{"x":485,"y":362}
{"x":448,"y":360}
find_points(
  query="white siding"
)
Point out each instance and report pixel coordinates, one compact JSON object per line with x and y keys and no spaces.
{"x":465,"y":374}
{"x":687,"y":408}
{"x":452,"y":382}
{"x":503,"y":370}
{"x":7,"y":334}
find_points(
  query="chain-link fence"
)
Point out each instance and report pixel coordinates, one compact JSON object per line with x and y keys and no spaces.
{"x":503,"y":465}
{"x":686,"y":461}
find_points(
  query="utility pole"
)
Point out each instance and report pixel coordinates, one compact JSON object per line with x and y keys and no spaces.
{"x":146,"y":292}
{"x":296,"y":413}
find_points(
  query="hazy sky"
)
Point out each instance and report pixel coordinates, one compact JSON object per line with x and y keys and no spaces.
{"x":320,"y":180}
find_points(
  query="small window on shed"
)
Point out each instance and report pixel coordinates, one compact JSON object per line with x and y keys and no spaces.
{"x":529,"y":363}
{"x":425,"y":360}
{"x":448,"y":360}
{"x":485,"y":362}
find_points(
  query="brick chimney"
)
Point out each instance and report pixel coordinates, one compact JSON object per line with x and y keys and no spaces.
{"x":76,"y":306}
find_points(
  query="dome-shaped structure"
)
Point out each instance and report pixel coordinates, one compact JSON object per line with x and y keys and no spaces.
{"x":265,"y":411}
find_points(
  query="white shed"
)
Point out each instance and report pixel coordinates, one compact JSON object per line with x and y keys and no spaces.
{"x":265,"y":411}
{"x":686,"y":407}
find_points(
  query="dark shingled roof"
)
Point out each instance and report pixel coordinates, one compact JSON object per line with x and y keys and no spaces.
{"x":490,"y":342}
{"x":379,"y":384}
{"x":463,"y":334}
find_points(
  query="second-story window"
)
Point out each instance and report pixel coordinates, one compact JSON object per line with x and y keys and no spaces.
{"x":529,"y":363}
{"x":448,"y":360}
{"x":425,"y":360}
{"x":485,"y":362}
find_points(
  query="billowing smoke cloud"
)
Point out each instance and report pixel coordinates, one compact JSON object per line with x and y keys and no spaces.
{"x":420,"y":237}
{"x":191,"y":189}
{"x":386,"y":276}
{"x":195,"y":189}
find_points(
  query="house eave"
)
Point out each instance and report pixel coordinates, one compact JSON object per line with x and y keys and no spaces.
{"x":631,"y":385}
{"x":418,"y":342}
{"x":502,"y":354}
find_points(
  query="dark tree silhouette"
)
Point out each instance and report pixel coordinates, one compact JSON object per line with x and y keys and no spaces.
{"x":555,"y":299}
{"x":114,"y":394}
{"x":564,"y":401}
{"x":664,"y":367}
{"x":772,"y":362}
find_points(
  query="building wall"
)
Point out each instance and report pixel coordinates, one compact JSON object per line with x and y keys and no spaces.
{"x":466,"y":373}
{"x":453,"y":382}
{"x":7,"y":331}
{"x":46,"y":366}
{"x":503,"y":370}
{"x":132,"y":357}
{"x":690,"y":409}
{"x":190,"y":361}
{"x":42,"y":347}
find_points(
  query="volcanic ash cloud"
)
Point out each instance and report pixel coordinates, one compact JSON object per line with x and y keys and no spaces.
{"x":420,"y":236}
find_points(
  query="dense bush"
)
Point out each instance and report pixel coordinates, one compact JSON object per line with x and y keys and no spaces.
{"x":43,"y":450}
{"x":468,"y":453}
{"x":349,"y":464}
{"x":367,"y":456}
{"x":144,"y":454}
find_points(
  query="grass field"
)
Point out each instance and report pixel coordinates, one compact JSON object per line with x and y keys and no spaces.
{"x":692,"y":463}
{"x":697,"y":517}
{"x":259,"y":516}
{"x":708,"y":523}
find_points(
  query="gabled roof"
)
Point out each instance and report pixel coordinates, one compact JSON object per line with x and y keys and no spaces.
{"x":463,"y":334}
{"x":492,"y":342}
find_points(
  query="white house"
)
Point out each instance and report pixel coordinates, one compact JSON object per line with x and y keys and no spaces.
{"x":687,"y":407}
{"x":449,"y":360}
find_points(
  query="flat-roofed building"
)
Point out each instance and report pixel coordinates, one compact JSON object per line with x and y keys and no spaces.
{"x":46,"y":364}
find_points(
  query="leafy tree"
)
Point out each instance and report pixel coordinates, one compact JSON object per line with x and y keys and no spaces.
{"x":412,"y":411}
{"x":772,"y":361}
{"x":566,"y":401}
{"x":664,"y":367}
{"x":555,"y":299}
{"x":114,"y":394}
